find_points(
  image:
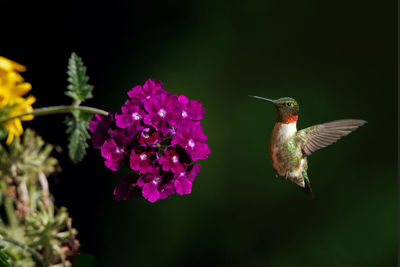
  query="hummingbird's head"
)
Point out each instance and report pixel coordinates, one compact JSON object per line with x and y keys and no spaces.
{"x":286,"y":108}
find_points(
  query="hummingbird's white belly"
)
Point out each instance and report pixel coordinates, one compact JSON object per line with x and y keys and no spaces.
{"x":281,"y":135}
{"x":285,"y":155}
{"x":284,"y":131}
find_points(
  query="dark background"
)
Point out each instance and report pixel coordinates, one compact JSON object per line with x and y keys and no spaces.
{"x":338,"y":59}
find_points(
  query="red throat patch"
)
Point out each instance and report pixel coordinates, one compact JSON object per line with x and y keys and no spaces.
{"x":292,"y":119}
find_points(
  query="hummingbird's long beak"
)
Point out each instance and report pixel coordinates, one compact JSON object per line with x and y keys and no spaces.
{"x":263,"y":98}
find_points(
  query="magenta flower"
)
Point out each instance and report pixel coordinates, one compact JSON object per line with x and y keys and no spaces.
{"x":114,"y":148}
{"x":95,"y":120}
{"x":127,"y":188}
{"x":101,"y":127}
{"x":149,"y":136}
{"x":150,"y":88}
{"x":113,"y":154}
{"x":171,"y":161}
{"x":193,"y":141}
{"x":192,"y":111}
{"x":184,"y":180}
{"x":142,"y":161}
{"x":159,"y":136}
{"x":166,"y":190}
{"x":156,"y":186}
{"x":150,"y":185}
{"x":162,"y":110}
{"x":150,"y":190}
{"x":132,"y":115}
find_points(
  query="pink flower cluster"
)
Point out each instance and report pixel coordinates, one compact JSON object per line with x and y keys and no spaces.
{"x":159,"y":136}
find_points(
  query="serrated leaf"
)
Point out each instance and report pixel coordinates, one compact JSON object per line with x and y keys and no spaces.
{"x":78,"y":88}
{"x":3,"y":255}
{"x":77,"y":128}
{"x":4,"y":259}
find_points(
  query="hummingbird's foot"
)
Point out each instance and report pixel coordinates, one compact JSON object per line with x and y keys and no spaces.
{"x":276,"y":174}
{"x":286,"y":174}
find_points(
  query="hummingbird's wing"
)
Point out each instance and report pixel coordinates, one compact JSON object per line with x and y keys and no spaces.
{"x":318,"y":136}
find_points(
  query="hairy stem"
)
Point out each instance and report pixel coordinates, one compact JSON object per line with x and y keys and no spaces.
{"x":38,"y":258}
{"x":56,"y":110}
{"x":45,"y":189}
{"x":23,"y":200}
{"x":10,"y":212}
{"x":9,"y":206}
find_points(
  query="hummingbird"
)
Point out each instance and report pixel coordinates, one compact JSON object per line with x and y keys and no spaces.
{"x":289,"y":148}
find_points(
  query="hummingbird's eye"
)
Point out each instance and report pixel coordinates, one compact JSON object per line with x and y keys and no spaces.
{"x":289,"y":104}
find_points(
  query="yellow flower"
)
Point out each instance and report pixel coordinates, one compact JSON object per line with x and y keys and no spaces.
{"x":14,"y":126}
{"x":7,"y":65}
{"x":12,"y":90}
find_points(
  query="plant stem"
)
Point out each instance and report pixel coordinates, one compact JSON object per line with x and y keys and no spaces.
{"x":12,"y":219}
{"x":9,"y":206}
{"x":56,"y":110}
{"x":38,"y":258}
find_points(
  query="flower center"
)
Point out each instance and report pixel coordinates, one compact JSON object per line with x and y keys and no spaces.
{"x":145,"y":135}
{"x":184,"y":114}
{"x":119,"y":150}
{"x":143,"y":156}
{"x":156,"y":180}
{"x":174,"y":159}
{"x":162,"y":113}
{"x":135,"y":116}
{"x":191,"y":143}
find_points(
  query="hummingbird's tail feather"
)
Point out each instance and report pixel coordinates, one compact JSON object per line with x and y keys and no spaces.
{"x":307,"y":187}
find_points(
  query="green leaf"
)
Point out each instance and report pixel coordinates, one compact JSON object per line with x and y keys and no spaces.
{"x":4,"y":259}
{"x":77,"y":128}
{"x":3,"y":255}
{"x":30,"y":155}
{"x":78,"y":88}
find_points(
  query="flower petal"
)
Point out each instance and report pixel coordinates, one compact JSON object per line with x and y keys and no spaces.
{"x":127,"y":188}
{"x":150,"y":192}
{"x":195,"y":110}
{"x":123,"y":121}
